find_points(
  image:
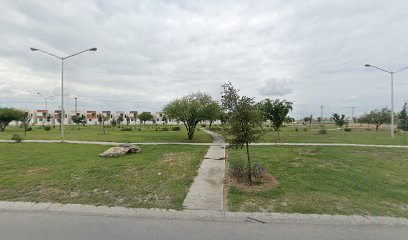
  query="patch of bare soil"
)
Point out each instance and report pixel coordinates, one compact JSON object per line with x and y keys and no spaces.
{"x":176,"y":158}
{"x":267,"y":182}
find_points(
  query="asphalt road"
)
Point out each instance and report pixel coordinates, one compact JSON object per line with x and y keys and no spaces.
{"x":55,"y":226}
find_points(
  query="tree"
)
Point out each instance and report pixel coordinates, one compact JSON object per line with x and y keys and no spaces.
{"x":119,"y":120}
{"x":223,"y":116}
{"x":164,"y":119}
{"x":191,"y":110}
{"x":113,"y":122}
{"x":244,"y":118}
{"x":403,"y":118}
{"x":25,"y":122}
{"x":339,"y":120}
{"x":102,"y":119}
{"x":145,"y":116}
{"x":377,"y":117}
{"x":127,"y":120}
{"x":275,"y":111}
{"x":8,"y":115}
{"x":79,"y":120}
{"x":214,"y":112}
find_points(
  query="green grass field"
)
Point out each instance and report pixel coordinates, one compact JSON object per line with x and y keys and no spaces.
{"x":95,"y":133}
{"x":358,"y":135}
{"x":328,"y":180}
{"x":73,"y":173}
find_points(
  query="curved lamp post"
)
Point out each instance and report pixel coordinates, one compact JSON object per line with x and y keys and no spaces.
{"x":62,"y":81}
{"x":45,"y":99}
{"x":392,"y":92}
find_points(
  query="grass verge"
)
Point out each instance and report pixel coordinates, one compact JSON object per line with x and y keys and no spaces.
{"x":73,"y":173}
{"x":328,"y":180}
{"x":148,"y":133}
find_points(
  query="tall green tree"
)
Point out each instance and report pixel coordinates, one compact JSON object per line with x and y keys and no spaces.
{"x":145,"y":116}
{"x":377,"y":117}
{"x":276,"y":112}
{"x":191,"y":110}
{"x":214,"y":112}
{"x":403,"y":118}
{"x":245,"y":120}
{"x":339,"y":120}
{"x":25,"y":122}
{"x":7,"y":115}
{"x":78,"y":120}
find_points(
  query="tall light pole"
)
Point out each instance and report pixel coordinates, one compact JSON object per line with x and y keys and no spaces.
{"x":392,"y":92}
{"x":45,"y":99}
{"x":352,"y":114}
{"x":76,"y":109}
{"x":62,"y":81}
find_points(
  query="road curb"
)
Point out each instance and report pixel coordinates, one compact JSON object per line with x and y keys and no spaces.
{"x":201,"y":215}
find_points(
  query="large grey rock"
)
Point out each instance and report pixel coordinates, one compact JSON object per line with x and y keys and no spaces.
{"x":121,"y":150}
{"x":114,"y":152}
{"x":131,"y":148}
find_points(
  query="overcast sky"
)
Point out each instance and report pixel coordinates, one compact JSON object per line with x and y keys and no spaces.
{"x":150,"y":52}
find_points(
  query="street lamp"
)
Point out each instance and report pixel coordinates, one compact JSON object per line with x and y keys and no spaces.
{"x":62,"y":81}
{"x":392,"y":92}
{"x":45,"y":99}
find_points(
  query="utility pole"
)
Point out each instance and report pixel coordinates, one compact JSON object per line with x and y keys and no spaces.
{"x":76,"y":109}
{"x":352,"y":114}
{"x":321,"y":114}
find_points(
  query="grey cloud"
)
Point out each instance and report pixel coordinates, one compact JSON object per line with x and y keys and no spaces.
{"x":276,"y":87}
{"x":150,"y":52}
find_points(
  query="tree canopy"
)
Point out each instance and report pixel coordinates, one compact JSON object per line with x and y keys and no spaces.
{"x":403,"y":118}
{"x":145,"y":116}
{"x":245,"y":120}
{"x":191,"y":109}
{"x":275,"y":111}
{"x":339,"y":120}
{"x":377,"y":117}
{"x":8,"y":115}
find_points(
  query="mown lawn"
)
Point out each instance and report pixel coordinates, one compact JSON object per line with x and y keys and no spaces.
{"x":328,"y":180}
{"x":74,"y":173}
{"x":304,"y":134}
{"x":148,"y":133}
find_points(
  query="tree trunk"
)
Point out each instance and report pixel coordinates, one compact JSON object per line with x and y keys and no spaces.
{"x":376,"y":127}
{"x":211,"y":123}
{"x":278,"y":134}
{"x":103,"y":127}
{"x":191,"y":133}
{"x":249,"y":163}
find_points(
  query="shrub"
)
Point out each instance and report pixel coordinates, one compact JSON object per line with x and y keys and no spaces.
{"x":126,"y":129}
{"x":257,"y":171}
{"x":139,"y":129}
{"x":237,"y":169}
{"x":47,"y":128}
{"x":296,"y":129}
{"x":305,"y":129}
{"x":322,"y":131}
{"x":165,"y":129}
{"x":16,"y":138}
{"x":175,"y":129}
{"x":203,"y":125}
{"x":29,"y":129}
{"x":347,"y":129}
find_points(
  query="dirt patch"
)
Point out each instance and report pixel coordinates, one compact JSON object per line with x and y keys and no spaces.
{"x":267,"y":182}
{"x":309,"y":152}
{"x":176,"y":157}
{"x":35,"y":171}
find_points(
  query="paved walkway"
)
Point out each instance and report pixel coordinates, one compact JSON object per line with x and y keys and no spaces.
{"x":206,"y":192}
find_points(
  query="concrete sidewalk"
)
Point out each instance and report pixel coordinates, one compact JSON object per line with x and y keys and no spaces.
{"x":200,"y":215}
{"x":206,"y":192}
